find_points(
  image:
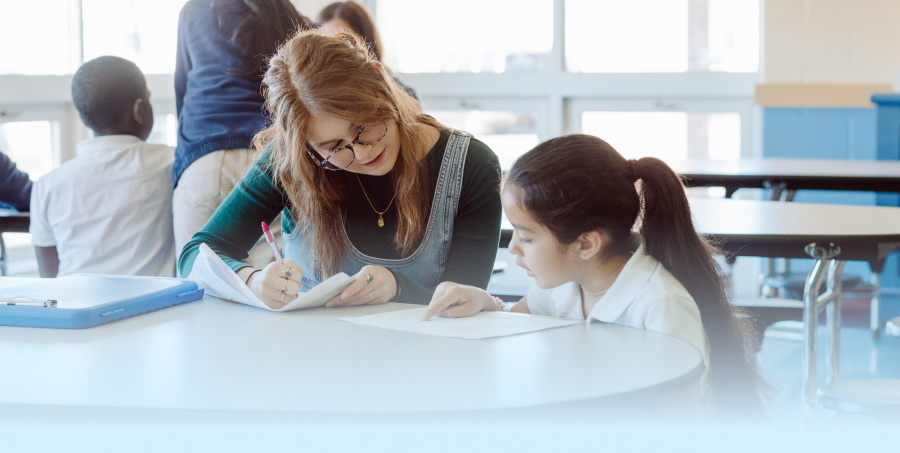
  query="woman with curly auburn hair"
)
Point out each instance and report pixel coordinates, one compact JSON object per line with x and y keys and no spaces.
{"x":367,"y":184}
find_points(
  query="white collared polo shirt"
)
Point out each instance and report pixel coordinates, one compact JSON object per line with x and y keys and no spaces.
{"x":108,"y":210}
{"x":644,"y":296}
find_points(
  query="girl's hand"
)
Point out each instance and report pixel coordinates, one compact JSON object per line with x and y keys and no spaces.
{"x":372,"y":285}
{"x":267,"y":283}
{"x":452,"y":300}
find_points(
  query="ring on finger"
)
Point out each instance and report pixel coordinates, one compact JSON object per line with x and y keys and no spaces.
{"x":369,"y":277}
{"x":283,"y":287}
{"x":370,"y":297}
{"x":287,"y":273}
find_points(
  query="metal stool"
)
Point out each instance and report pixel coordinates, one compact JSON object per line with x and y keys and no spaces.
{"x":877,"y":397}
{"x":790,"y":285}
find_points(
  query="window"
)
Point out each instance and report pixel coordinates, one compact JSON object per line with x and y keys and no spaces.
{"x":678,"y":75}
{"x":143,"y":31}
{"x":61,"y":36}
{"x":30,"y":145}
{"x":667,"y":135}
{"x":466,"y":35}
{"x":46,"y":27}
{"x":662,"y":35}
{"x":508,"y":134}
{"x":165,"y":130}
{"x":669,"y":129}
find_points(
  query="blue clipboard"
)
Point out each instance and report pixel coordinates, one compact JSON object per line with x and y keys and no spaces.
{"x":89,"y":300}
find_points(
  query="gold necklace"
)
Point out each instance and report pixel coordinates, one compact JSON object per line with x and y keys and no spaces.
{"x":380,"y":218}
{"x":594,"y":294}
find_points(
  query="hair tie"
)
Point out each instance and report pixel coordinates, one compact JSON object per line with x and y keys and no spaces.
{"x":635,"y":173}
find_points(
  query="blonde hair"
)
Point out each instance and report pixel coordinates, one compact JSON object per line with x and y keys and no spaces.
{"x":313,"y":75}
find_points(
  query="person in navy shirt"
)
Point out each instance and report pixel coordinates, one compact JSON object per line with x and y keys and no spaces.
{"x":221,"y":58}
{"x":15,"y":187}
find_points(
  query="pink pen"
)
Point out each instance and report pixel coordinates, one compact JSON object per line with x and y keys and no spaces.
{"x":271,"y":241}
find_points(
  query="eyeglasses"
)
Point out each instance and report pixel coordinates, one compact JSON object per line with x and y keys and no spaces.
{"x":343,"y":157}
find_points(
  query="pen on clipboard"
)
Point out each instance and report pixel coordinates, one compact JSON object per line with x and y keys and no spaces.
{"x":271,"y":240}
{"x":28,"y":302}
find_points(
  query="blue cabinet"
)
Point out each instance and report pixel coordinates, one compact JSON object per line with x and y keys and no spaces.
{"x":839,"y":133}
{"x":888,"y":137}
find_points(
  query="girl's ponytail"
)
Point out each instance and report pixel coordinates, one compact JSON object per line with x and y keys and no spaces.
{"x":670,"y":237}
{"x":578,"y":183}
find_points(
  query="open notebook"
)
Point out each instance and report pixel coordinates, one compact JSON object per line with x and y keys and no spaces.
{"x":214,"y":276}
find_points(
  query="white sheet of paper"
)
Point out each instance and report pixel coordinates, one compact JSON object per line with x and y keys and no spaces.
{"x":487,"y":324}
{"x":218,"y":280}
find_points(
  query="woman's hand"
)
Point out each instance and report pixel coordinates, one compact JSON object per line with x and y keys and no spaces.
{"x":268,"y":283}
{"x":452,"y":300}
{"x":372,"y":285}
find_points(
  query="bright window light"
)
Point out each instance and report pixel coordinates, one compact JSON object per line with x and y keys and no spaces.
{"x":640,"y":134}
{"x":667,"y":135}
{"x":724,"y":136}
{"x":30,"y":145}
{"x":143,"y":31}
{"x":165,"y":130}
{"x":35,"y":37}
{"x":466,"y":36}
{"x":508,"y":134}
{"x":662,"y":35}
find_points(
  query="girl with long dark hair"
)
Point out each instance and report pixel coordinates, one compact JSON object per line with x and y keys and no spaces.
{"x":574,"y":207}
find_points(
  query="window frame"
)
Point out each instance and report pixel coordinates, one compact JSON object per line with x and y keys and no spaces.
{"x":744,"y":108}
{"x":555,"y":96}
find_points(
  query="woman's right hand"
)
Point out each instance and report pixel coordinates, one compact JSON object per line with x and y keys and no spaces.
{"x":267,"y":283}
{"x":452,"y":300}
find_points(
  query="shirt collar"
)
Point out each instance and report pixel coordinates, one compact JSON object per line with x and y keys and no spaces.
{"x":636,"y":273}
{"x":567,"y":299}
{"x":105,"y":144}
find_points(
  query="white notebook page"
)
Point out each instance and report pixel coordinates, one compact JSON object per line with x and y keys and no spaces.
{"x":487,"y":324}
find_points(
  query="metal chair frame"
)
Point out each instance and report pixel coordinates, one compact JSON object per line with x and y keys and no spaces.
{"x":828,"y":271}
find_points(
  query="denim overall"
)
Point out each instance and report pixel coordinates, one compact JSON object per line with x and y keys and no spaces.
{"x":426,"y":265}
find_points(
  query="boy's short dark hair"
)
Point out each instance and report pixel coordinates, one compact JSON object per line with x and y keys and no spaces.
{"x":104,"y":90}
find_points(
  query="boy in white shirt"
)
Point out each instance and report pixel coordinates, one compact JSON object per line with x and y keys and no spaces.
{"x":108,"y":210}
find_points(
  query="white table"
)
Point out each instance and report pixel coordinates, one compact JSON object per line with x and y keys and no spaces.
{"x":831,"y":234}
{"x":785,"y":177}
{"x":791,"y":174}
{"x":210,"y":356}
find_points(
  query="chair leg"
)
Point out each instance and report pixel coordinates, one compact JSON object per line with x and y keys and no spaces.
{"x":833,"y":320}
{"x":875,"y":307}
{"x":3,"y":257}
{"x":810,"y":320}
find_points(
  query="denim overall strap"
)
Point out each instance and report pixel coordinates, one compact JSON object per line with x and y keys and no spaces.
{"x":427,"y":263}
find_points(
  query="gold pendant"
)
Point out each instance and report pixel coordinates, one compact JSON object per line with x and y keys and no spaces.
{"x":380,"y":221}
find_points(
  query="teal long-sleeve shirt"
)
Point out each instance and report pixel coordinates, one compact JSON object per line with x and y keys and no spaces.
{"x":234,"y":227}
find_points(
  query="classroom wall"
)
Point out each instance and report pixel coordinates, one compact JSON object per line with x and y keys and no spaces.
{"x":830,"y":41}
{"x":821,"y":62}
